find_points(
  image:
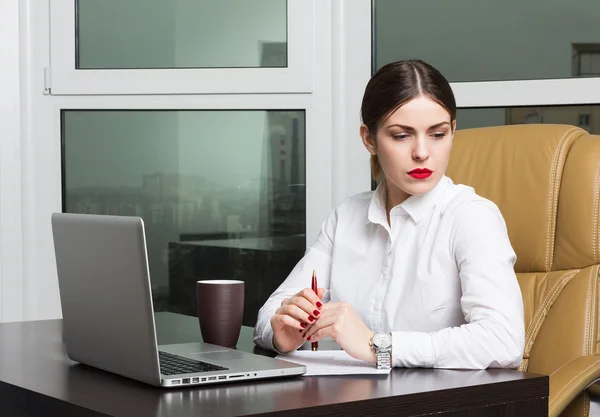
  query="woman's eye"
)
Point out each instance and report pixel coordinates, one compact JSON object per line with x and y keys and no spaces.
{"x":439,"y":135}
{"x":400,"y":137}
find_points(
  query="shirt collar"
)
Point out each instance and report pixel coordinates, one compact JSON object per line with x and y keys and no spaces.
{"x":416,"y":206}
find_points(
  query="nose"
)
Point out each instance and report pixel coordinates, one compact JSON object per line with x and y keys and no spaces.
{"x":420,"y":151}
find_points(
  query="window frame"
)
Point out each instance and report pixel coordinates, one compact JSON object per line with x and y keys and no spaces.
{"x":297,"y":77}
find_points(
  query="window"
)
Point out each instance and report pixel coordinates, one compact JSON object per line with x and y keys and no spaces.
{"x":222,"y":193}
{"x":134,"y":34}
{"x":181,"y":47}
{"x":586,"y":60}
{"x":471,"y":40}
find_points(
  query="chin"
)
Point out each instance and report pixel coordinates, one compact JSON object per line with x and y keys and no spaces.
{"x":422,"y":187}
{"x":420,"y":190}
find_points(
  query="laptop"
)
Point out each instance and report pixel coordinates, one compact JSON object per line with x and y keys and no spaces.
{"x":108,"y":316}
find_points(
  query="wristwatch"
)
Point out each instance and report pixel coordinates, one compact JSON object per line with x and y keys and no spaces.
{"x":381,"y":343}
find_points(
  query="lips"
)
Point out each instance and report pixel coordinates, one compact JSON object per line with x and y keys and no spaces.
{"x":420,"y":173}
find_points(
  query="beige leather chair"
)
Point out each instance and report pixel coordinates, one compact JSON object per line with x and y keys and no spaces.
{"x":546,"y":181}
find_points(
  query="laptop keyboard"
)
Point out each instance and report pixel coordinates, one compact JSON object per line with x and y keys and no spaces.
{"x":173,"y":364}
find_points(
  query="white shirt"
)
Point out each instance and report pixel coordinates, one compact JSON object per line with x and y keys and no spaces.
{"x":440,"y":278}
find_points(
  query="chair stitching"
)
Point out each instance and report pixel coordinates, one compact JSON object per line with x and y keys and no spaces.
{"x":592,"y":317}
{"x":586,"y":334}
{"x":568,"y":384}
{"x":598,"y":232}
{"x":595,"y":218}
{"x":524,"y":365}
{"x":550,"y":192}
{"x":546,"y":300}
{"x":556,"y":286}
{"x":588,"y":323}
{"x":533,"y":327}
{"x":594,"y":312}
{"x":553,"y":194}
{"x":558,"y":369}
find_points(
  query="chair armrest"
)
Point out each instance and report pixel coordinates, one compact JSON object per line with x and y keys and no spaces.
{"x":568,"y":381}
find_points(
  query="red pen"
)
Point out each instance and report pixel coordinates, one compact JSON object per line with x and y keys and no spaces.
{"x":314,"y":345}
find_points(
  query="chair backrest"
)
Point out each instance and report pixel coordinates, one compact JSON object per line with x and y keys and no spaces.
{"x":546,"y":181}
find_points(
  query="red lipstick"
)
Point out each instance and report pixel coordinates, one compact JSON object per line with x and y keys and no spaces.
{"x":420,"y":173}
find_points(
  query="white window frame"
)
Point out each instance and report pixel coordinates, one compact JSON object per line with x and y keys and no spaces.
{"x":351,"y":59}
{"x":12,"y":265}
{"x":565,"y":91}
{"x":297,"y":77}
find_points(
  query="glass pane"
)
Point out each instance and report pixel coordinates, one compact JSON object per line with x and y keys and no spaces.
{"x":472,"y":40}
{"x":117,"y":34}
{"x":595,"y":63}
{"x":585,"y":64}
{"x":586,"y":117}
{"x":222,"y":193}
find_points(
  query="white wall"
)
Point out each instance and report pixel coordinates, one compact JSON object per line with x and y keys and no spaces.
{"x":10,"y":164}
{"x":40,"y":181}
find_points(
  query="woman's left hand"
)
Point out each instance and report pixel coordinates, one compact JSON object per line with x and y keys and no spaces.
{"x":340,"y":322}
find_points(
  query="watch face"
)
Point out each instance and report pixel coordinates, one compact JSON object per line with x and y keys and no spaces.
{"x":382,"y":340}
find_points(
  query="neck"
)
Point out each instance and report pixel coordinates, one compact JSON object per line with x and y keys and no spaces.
{"x":394,"y":196}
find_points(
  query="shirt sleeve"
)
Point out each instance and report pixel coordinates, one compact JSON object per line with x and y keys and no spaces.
{"x":494,"y":333}
{"x":318,"y":258}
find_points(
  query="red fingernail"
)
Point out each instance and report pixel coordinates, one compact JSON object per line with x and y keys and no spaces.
{"x":302,"y":325}
{"x":319,"y":305}
{"x":316,"y":312}
{"x":308,"y":338}
{"x":310,"y":318}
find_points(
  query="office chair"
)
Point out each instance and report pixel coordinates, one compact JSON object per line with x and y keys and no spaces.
{"x":546,"y":181}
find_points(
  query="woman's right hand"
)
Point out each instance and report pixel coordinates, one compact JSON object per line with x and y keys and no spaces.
{"x":293,"y":316}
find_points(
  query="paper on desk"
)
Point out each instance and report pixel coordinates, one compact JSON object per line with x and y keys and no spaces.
{"x":331,"y":362}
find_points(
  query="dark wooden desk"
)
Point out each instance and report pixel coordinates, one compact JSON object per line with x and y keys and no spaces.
{"x":37,"y":379}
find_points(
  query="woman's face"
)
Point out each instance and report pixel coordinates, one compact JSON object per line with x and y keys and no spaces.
{"x":413,"y":145}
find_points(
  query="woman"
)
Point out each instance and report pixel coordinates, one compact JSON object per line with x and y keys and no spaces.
{"x":421,"y":268}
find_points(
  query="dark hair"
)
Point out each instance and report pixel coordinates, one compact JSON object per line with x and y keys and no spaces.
{"x":394,"y":85}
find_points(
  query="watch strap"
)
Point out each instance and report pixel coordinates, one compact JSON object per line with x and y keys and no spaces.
{"x":384,"y":360}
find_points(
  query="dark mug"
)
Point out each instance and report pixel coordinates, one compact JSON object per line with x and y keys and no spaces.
{"x":220,"y":307}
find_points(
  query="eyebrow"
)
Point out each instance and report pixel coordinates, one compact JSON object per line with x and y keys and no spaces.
{"x":412,"y":129}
